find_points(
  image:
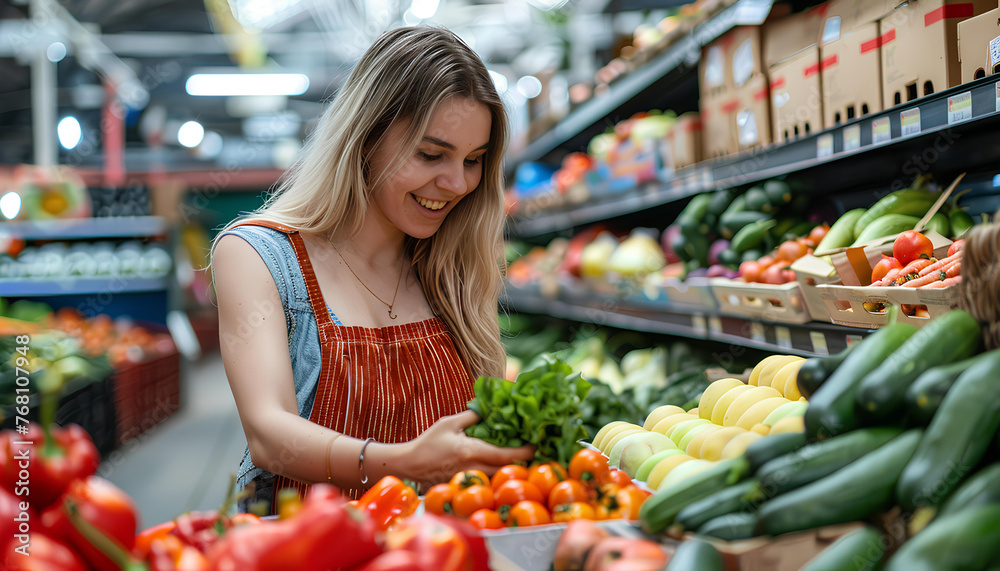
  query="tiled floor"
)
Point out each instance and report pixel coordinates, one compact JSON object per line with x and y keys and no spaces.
{"x":185,"y":462}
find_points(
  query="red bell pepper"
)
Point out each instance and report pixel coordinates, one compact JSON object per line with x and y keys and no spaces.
{"x":388,"y":500}
{"x":325,"y":534}
{"x":52,"y":462}
{"x":199,"y":529}
{"x":442,"y":543}
{"x":43,"y":554}
{"x":103,"y":506}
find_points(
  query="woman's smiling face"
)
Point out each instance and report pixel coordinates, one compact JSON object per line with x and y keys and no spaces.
{"x":446,"y":166}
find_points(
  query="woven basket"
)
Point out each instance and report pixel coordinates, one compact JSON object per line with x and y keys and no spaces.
{"x":979,"y":290}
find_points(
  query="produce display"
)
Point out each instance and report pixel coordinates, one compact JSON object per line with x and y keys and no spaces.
{"x":87,"y":260}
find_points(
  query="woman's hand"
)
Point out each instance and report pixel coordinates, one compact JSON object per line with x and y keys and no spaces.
{"x":444,"y":449}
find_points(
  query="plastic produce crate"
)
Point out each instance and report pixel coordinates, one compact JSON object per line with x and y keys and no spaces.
{"x":146,"y":394}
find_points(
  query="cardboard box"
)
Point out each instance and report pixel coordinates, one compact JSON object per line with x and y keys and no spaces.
{"x":685,"y":141}
{"x":751,"y":114}
{"x":744,"y":55}
{"x":718,"y":129}
{"x":778,"y":303}
{"x":851,"y":59}
{"x":792,"y":56}
{"x":811,"y":272}
{"x":979,"y":45}
{"x":714,"y":79}
{"x":789,"y":552}
{"x":920,"y":47}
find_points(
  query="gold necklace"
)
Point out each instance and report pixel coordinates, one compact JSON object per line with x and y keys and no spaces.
{"x":396,"y":291}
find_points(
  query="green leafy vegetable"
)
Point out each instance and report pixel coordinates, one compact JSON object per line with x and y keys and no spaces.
{"x":542,"y":409}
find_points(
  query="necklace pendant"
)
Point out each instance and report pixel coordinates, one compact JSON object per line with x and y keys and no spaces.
{"x":391,"y":316}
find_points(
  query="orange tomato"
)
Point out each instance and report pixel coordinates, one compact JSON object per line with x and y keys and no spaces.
{"x":509,"y":472}
{"x":470,"y":478}
{"x":471,"y":499}
{"x":792,"y":250}
{"x":568,"y":492}
{"x":750,"y":271}
{"x":616,"y":476}
{"x":882,"y":268}
{"x":486,"y":519}
{"x":513,"y":491}
{"x":629,"y":500}
{"x":573,"y":511}
{"x":818,"y":233}
{"x":587,"y":466}
{"x":528,"y":513}
{"x":439,"y":498}
{"x":546,"y":476}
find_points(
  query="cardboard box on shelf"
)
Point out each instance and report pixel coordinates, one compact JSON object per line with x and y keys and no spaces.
{"x":714,"y":79}
{"x":685,"y":140}
{"x":792,"y":56}
{"x":751,"y":115}
{"x":920,"y":47}
{"x":851,"y":59}
{"x":979,"y":45}
{"x":744,"y":55}
{"x":718,"y":135}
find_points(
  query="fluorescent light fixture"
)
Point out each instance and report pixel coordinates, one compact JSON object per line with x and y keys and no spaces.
{"x":208,"y":84}
{"x":499,"y":81}
{"x":69,"y":132}
{"x":424,"y":9}
{"x":55,"y":52}
{"x":529,"y":86}
{"x":10,"y":205}
{"x":191,"y":134}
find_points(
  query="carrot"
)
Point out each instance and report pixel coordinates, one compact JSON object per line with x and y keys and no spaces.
{"x":944,"y":283}
{"x":915,"y":266}
{"x":940,"y":263}
{"x":954,"y":270}
{"x":940,"y":275}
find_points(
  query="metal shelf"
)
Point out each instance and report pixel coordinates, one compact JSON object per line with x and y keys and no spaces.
{"x":807,"y":340}
{"x":82,"y":286}
{"x":942,"y":141}
{"x":87,"y":228}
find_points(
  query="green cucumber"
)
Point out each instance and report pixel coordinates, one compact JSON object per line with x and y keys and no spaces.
{"x":981,"y":488}
{"x":696,"y":246}
{"x":752,"y":235}
{"x":831,"y":408}
{"x":951,"y":337}
{"x":697,"y":208}
{"x":730,"y":224}
{"x":820,"y":459}
{"x":731,"y":527}
{"x":854,"y":492}
{"x":773,"y":446}
{"x":887,"y":225}
{"x":729,"y":257}
{"x":739,"y":204}
{"x":957,"y":438}
{"x":860,"y":550}
{"x":744,"y":496}
{"x":695,"y":554}
{"x":907,"y":201}
{"x":721,"y":199}
{"x":926,"y":393}
{"x":778,"y":192}
{"x":758,"y":201}
{"x":841,"y":234}
{"x":960,"y":221}
{"x":816,"y":370}
{"x":969,"y":539}
{"x":680,"y":246}
{"x":940,"y":224}
{"x":659,"y":511}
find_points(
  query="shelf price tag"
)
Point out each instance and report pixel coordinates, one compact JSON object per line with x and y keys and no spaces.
{"x":852,"y":339}
{"x":819,"y":343}
{"x":852,"y":138}
{"x":881,"y":130}
{"x":960,"y":108}
{"x":824,"y":146}
{"x":757,"y":332}
{"x":910,"y":121}
{"x":698,"y":324}
{"x":783,"y":336}
{"x":715,"y":325}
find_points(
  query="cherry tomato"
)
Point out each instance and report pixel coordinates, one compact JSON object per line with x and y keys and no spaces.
{"x":471,"y":499}
{"x":573,"y":511}
{"x":882,"y":268}
{"x":568,"y":492}
{"x":956,"y":247}
{"x":912,"y":245}
{"x":509,"y":472}
{"x":513,"y":491}
{"x":587,"y":466}
{"x":470,"y":478}
{"x":546,"y":476}
{"x":486,"y":519}
{"x":750,"y":271}
{"x":438,"y":500}
{"x":616,"y":476}
{"x":528,"y":513}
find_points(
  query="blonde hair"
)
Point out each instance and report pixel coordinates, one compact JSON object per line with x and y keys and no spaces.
{"x":404,"y":76}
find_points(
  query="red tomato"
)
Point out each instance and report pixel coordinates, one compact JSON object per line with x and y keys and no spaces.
{"x":470,"y":478}
{"x":882,"y":268}
{"x":568,"y":492}
{"x":750,"y":271}
{"x":774,"y":274}
{"x":819,"y":232}
{"x":616,"y":476}
{"x":587,"y":465}
{"x":507,"y":473}
{"x":546,"y":476}
{"x":956,"y":247}
{"x":528,"y":513}
{"x":513,"y":491}
{"x":104,"y":506}
{"x":438,"y":499}
{"x":912,"y":245}
{"x":470,"y":499}
{"x":486,"y":519}
{"x":791,"y":250}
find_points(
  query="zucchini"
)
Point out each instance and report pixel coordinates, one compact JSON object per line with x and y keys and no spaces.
{"x":887,"y":225}
{"x":981,"y":488}
{"x":816,"y":370}
{"x":731,"y":527}
{"x":820,"y":459}
{"x":860,"y":550}
{"x":659,"y":511}
{"x":778,"y":192}
{"x":951,"y":337}
{"x":854,"y":492}
{"x":960,"y":221}
{"x":940,"y":224}
{"x":680,"y":246}
{"x":752,"y":235}
{"x":696,"y":246}
{"x":721,"y":199}
{"x":758,"y":201}
{"x":841,"y":234}
{"x":907,"y":201}
{"x":729,"y":258}
{"x":773,"y":446}
{"x":957,"y":438}
{"x":730,"y":224}
{"x":969,"y":539}
{"x":745,"y":496}
{"x":831,"y":408}
{"x":739,"y":204}
{"x":697,"y":207}
{"x":926,"y":393}
{"x":695,"y":554}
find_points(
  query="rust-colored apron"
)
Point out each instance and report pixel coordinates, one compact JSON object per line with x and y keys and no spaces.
{"x":389,"y":383}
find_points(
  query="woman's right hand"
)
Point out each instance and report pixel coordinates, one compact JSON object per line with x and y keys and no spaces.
{"x":444,"y":449}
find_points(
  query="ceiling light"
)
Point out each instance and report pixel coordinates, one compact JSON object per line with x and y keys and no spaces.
{"x":55,"y":52}
{"x":424,"y":9}
{"x":529,"y":86}
{"x":69,"y":132}
{"x":10,"y":205}
{"x":191,"y":134}
{"x":207,"y":84}
{"x":499,"y":81}
{"x":211,"y":146}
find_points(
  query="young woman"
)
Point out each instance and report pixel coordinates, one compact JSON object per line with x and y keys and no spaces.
{"x":359,"y":304}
